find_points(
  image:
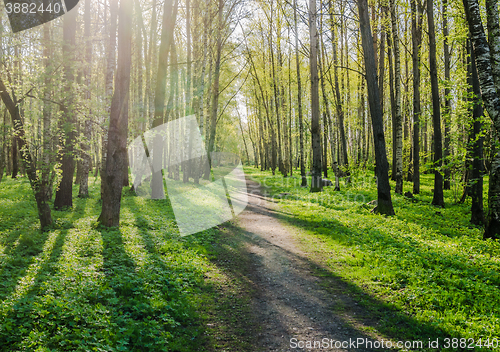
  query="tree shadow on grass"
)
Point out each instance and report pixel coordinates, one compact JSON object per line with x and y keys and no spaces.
{"x":22,"y":279}
{"x":393,"y":321}
{"x":149,"y":306}
{"x":221,"y":320}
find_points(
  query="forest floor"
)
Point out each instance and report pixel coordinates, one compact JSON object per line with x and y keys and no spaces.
{"x":325,"y":269}
{"x":292,"y":270}
{"x":290,"y":305}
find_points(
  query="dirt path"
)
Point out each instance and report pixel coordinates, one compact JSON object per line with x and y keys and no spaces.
{"x":289,"y":302}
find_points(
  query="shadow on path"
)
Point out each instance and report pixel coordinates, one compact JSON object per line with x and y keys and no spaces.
{"x":290,"y":302}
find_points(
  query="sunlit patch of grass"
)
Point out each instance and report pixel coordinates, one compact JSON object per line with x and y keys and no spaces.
{"x":81,"y":287}
{"x":429,"y":264}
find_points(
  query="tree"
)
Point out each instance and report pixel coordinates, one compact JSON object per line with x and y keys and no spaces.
{"x":316,"y":181}
{"x":384,"y":205}
{"x":85,"y":163}
{"x":215,"y":88}
{"x":476,"y":139}
{"x":39,"y":186}
{"x":416,"y":34}
{"x":398,"y":119}
{"x":338,"y":100}
{"x":299,"y":100}
{"x":488,"y":70}
{"x":118,"y":122}
{"x":109,"y":78}
{"x":169,"y":18}
{"x":64,"y":194}
{"x":447,"y":99}
{"x":438,"y":198}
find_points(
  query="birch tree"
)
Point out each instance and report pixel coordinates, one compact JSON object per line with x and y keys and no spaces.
{"x":488,"y":69}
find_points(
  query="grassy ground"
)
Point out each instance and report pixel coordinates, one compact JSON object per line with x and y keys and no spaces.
{"x":424,"y":273}
{"x":81,"y":287}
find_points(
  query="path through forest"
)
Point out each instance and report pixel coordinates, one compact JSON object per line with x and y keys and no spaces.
{"x":289,"y":301}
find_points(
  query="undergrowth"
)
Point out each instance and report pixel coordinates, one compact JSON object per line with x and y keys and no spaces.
{"x":82,"y":287}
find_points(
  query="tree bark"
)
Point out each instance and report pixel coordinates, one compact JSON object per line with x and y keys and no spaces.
{"x":447,"y":99}
{"x":316,"y":181}
{"x":215,"y":92}
{"x":326,"y":110}
{"x":384,"y":205}
{"x":476,"y":138}
{"x":416,"y":25}
{"x":110,"y":72}
{"x":87,"y":129}
{"x":484,"y":58}
{"x":299,"y":101}
{"x":438,"y":198}
{"x":343,"y":158}
{"x":40,"y":189}
{"x":64,"y":194}
{"x":398,"y":119}
{"x":169,"y":18}
{"x":118,"y":122}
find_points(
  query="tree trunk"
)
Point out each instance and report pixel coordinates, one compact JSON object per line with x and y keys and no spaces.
{"x":489,"y":93}
{"x":215,"y":92}
{"x":416,"y":31}
{"x":40,"y":189}
{"x":343,"y":159}
{"x":447,"y":99}
{"x":3,"y":145}
{"x":277,"y":97}
{"x":15,"y":159}
{"x":169,"y":18}
{"x":64,"y":194}
{"x":87,"y":129}
{"x":118,"y":122}
{"x":326,"y":111}
{"x":476,"y":138}
{"x":438,"y":198}
{"x":110,"y":72}
{"x":384,"y":205}
{"x":398,"y":119}
{"x":381,"y":63}
{"x":299,"y":101}
{"x":316,"y":181}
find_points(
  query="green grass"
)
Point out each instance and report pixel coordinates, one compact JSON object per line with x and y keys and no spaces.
{"x":423,"y":273}
{"x":81,"y":287}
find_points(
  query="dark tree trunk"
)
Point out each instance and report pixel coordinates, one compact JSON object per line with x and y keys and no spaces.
{"x":476,"y":182}
{"x":381,"y":61}
{"x":438,"y":198}
{"x":398,"y":118}
{"x":447,"y":99}
{"x":384,"y":205}
{"x":64,"y":194}
{"x":110,"y":72}
{"x":326,"y":111}
{"x":87,"y":129}
{"x":3,"y":145}
{"x":215,"y":92}
{"x":15,"y":159}
{"x":299,"y":101}
{"x":169,"y":18}
{"x":343,"y":158}
{"x":316,"y":181}
{"x":118,"y":122}
{"x":416,"y":30}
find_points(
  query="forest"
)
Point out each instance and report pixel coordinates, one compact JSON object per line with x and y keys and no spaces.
{"x":368,"y":135}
